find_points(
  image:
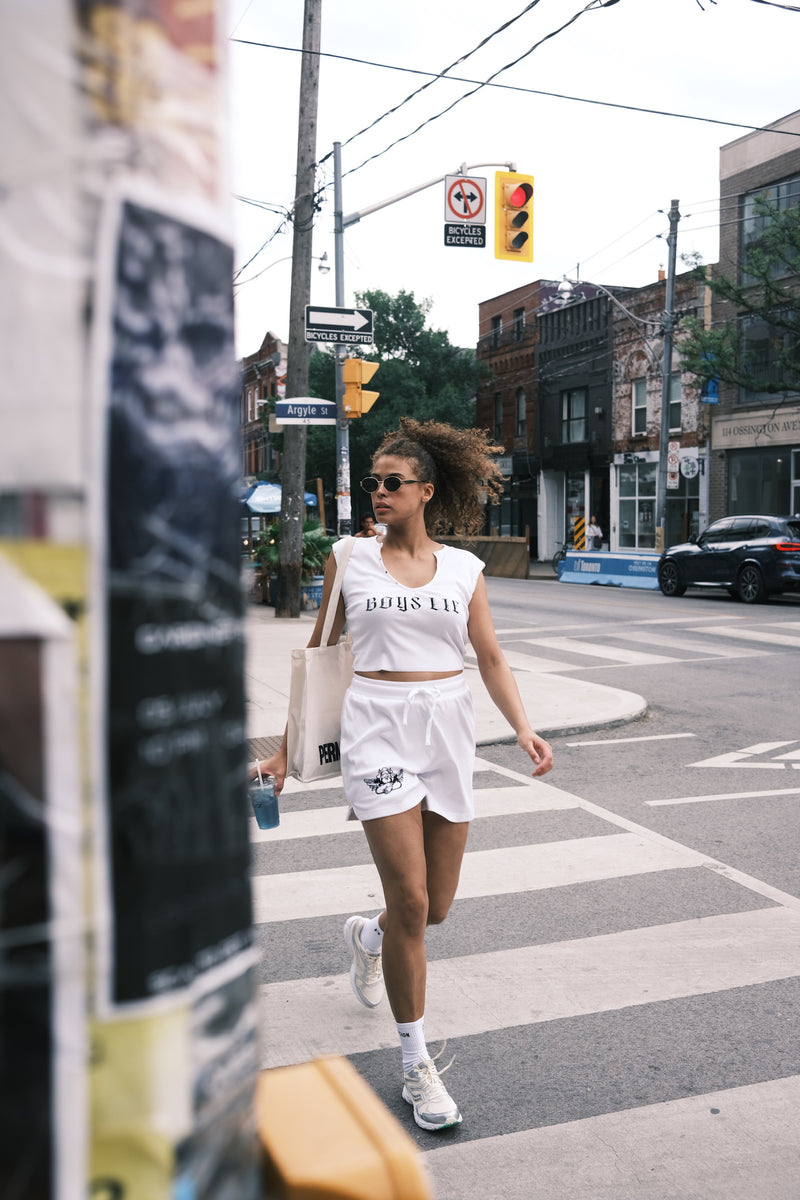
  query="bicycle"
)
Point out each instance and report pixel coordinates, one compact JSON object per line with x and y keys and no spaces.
{"x":561,"y":553}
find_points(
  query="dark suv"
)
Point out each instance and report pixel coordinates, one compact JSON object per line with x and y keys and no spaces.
{"x":752,"y":557}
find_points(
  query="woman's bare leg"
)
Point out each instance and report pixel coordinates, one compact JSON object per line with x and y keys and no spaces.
{"x":418,"y":856}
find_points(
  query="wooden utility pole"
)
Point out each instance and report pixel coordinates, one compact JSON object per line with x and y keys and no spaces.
{"x":666,"y":380}
{"x":293,"y":466}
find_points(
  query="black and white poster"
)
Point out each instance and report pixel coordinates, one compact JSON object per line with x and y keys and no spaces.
{"x":174,"y":618}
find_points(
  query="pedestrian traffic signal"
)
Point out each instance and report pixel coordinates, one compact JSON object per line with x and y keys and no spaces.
{"x":513,"y":216}
{"x":356,"y":372}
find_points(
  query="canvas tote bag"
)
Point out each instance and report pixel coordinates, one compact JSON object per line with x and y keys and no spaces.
{"x":320,"y":677}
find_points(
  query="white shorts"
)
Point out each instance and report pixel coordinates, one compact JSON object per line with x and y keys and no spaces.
{"x":405,"y":744}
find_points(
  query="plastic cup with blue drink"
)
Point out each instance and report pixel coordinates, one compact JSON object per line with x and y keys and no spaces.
{"x":264,"y":800}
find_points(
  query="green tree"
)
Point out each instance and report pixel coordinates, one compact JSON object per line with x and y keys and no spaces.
{"x":421,"y":375}
{"x":759,"y":348}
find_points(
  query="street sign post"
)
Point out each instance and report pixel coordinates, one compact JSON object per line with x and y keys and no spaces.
{"x":305,"y":410}
{"x":340,"y":326}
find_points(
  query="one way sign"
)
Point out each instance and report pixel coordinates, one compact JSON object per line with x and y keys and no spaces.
{"x":349,"y":326}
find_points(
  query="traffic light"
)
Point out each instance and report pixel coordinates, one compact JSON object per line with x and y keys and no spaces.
{"x":513,"y":216}
{"x":357,"y":372}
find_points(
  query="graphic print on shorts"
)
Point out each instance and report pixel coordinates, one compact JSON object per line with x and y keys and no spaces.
{"x":387,"y":779}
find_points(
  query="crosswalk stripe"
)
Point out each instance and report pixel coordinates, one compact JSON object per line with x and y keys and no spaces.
{"x":489,"y":802}
{"x":725,"y":796}
{"x":534,"y":984}
{"x":715,"y":649}
{"x":737,"y":1143}
{"x":778,"y":639}
{"x":600,"y":650}
{"x":297,"y":895}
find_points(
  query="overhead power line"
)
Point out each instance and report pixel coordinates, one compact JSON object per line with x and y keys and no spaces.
{"x":593,"y":5}
{"x":511,"y":87}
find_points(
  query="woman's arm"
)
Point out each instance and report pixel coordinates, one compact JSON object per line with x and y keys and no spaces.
{"x":276,"y":765}
{"x":500,"y":682}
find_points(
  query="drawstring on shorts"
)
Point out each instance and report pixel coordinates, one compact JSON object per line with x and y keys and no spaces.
{"x":428,"y":696}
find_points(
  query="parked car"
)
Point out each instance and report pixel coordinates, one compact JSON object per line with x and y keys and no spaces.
{"x":752,"y":557}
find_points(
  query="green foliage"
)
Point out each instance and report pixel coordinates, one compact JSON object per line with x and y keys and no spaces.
{"x":767,"y":297}
{"x":421,"y":375}
{"x":316,"y":546}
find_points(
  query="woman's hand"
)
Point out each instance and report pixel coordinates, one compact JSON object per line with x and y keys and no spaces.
{"x":539,"y":751}
{"x":275,"y":766}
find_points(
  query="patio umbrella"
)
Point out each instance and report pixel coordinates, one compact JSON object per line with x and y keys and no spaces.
{"x":266,"y":498}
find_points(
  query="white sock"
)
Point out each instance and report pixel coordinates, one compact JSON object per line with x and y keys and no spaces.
{"x":372,"y":936}
{"x":412,"y":1042}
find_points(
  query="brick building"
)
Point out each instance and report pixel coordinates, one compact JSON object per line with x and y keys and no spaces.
{"x":638,"y":351}
{"x":574,"y":397}
{"x":263,"y":376}
{"x":755,"y":436}
{"x":574,"y":358}
{"x":506,"y":401}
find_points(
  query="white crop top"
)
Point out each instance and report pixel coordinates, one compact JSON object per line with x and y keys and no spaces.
{"x":398,"y":628}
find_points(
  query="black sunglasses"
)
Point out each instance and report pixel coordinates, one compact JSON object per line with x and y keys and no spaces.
{"x":392,"y":483}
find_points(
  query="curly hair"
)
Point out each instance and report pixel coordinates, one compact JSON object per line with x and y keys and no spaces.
{"x":460,"y":465}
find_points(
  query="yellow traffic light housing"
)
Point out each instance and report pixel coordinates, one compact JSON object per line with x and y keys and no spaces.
{"x":356,"y":372}
{"x":513,"y":216}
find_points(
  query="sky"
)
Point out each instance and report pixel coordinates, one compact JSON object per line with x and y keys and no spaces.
{"x":604,"y":176}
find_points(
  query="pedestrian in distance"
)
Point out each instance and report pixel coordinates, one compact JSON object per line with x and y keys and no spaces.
{"x":367,"y":529}
{"x":594,"y":535}
{"x":408,"y":734}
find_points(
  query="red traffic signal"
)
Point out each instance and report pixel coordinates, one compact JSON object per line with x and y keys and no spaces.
{"x":513,"y":216}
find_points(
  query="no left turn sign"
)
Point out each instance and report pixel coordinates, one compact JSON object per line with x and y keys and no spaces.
{"x":465,"y":199}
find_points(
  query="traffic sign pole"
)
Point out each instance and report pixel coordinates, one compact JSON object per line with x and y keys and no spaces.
{"x":344,"y":519}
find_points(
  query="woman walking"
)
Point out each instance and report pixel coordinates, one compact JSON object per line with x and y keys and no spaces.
{"x":408,"y":738}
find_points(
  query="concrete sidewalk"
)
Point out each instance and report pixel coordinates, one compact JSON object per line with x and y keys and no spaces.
{"x":555,"y":704}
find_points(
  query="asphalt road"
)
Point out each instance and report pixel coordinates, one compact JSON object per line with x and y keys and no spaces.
{"x":731,"y":681}
{"x":619,"y":976}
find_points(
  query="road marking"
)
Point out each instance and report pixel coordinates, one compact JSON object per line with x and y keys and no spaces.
{"x":779,"y":639}
{"x":550,"y":982}
{"x":596,"y":650}
{"x":737,"y":1142}
{"x":735,"y":758}
{"x":725,"y":796}
{"x":296,"y":895}
{"x":489,"y":802}
{"x":651,"y":737}
{"x":696,"y":646}
{"x":748,"y":881}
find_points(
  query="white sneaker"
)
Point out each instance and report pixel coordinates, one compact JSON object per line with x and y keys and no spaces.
{"x":366,"y":973}
{"x":433,"y":1107}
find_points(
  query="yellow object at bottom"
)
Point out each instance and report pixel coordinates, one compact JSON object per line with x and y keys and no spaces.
{"x":327,"y":1135}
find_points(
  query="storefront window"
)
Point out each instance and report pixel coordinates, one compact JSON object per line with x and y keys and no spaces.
{"x":683,"y":503}
{"x":637,"y":490}
{"x":760,"y":481}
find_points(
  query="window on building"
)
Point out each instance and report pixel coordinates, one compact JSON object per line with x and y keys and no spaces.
{"x":573,"y":415}
{"x":760,"y":480}
{"x":675,"y":401}
{"x":498,"y":417}
{"x":639,"y":419}
{"x":637,"y":503}
{"x":758,"y":210}
{"x":497,"y":329}
{"x":522,"y":422}
{"x":519,"y":324}
{"x":769,"y":353}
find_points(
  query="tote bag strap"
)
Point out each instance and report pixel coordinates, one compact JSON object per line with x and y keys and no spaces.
{"x":333,"y":599}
